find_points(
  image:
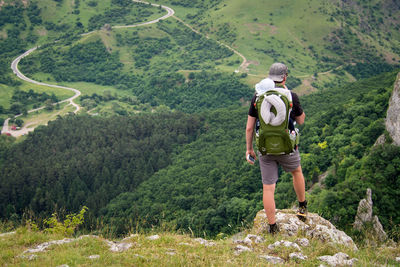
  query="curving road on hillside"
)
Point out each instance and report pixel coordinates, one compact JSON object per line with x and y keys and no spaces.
{"x":14,"y":66}
{"x":170,"y":12}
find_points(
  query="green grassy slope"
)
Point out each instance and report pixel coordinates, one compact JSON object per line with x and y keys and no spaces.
{"x":296,"y":32}
{"x":311,"y":37}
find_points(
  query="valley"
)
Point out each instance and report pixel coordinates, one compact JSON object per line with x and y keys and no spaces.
{"x":138,"y":110}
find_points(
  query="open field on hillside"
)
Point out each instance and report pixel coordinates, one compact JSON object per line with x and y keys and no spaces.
{"x":6,"y":92}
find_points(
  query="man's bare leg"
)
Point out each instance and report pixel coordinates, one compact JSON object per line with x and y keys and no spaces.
{"x":269,"y":202}
{"x":299,"y":184}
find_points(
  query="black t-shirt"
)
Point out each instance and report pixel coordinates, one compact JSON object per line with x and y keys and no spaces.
{"x":297,"y":110}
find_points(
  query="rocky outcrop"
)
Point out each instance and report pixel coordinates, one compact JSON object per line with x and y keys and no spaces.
{"x":365,"y":218}
{"x":364,"y":211}
{"x":392,"y":117}
{"x":315,"y":226}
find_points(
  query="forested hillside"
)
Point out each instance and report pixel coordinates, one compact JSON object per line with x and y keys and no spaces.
{"x":210,"y":188}
{"x":79,"y":160}
{"x":205,"y":185}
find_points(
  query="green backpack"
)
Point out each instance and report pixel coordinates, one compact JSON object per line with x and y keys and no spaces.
{"x":273,"y":136}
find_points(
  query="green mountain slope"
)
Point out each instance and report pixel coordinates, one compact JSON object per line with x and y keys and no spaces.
{"x":311,"y":36}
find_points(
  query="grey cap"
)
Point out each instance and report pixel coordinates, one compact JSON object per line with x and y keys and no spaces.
{"x":277,"y":72}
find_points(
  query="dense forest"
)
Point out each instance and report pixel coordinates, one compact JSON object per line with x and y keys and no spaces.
{"x":82,"y":160}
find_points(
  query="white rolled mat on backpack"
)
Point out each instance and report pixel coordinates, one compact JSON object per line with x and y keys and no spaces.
{"x":268,"y":116}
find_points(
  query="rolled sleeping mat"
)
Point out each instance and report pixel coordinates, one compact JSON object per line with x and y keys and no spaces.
{"x":267,"y":115}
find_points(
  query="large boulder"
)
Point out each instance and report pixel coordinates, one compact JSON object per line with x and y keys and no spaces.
{"x":315,"y":227}
{"x":364,"y":211}
{"x":364,"y":219}
{"x":392,"y":117}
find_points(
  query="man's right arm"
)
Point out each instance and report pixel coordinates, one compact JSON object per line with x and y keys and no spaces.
{"x":300,"y":119}
{"x":251,"y":121}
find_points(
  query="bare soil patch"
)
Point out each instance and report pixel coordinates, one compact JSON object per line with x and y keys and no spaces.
{"x":248,"y":63}
{"x":306,"y":88}
{"x":259,"y":27}
{"x":3,"y":35}
{"x":42,"y":32}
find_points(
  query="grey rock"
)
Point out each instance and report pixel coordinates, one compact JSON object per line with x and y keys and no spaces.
{"x":240,"y":249}
{"x":304,"y":242}
{"x":284,"y":243}
{"x":381,"y":140}
{"x":205,"y":242}
{"x":297,"y":255}
{"x":339,"y":258}
{"x":272,"y":259}
{"x":118,"y":246}
{"x":238,"y":236}
{"x":63,"y":265}
{"x":255,"y":238}
{"x":93,"y":257}
{"x":315,"y":227}
{"x":398,"y":259}
{"x":31,"y":257}
{"x":392,"y":117}
{"x":364,"y":211}
{"x":114,"y":246}
{"x":42,"y":247}
{"x":364,"y":216}
{"x":250,"y":239}
{"x":378,"y":228}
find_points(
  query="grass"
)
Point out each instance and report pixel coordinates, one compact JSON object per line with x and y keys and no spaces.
{"x":172,"y":249}
{"x":91,"y":88}
{"x":64,"y":13}
{"x":291,"y":32}
{"x":6,"y":92}
{"x":274,"y":25}
{"x":42,"y":117}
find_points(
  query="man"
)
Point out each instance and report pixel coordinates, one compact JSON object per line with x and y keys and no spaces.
{"x":278,"y":73}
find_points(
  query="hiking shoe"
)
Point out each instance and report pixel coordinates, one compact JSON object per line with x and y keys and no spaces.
{"x":302,"y":213}
{"x":273,"y":229}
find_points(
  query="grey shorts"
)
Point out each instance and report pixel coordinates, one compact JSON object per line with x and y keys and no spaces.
{"x":269,"y":165}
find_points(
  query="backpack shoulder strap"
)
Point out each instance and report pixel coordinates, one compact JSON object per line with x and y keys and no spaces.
{"x":284,"y":92}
